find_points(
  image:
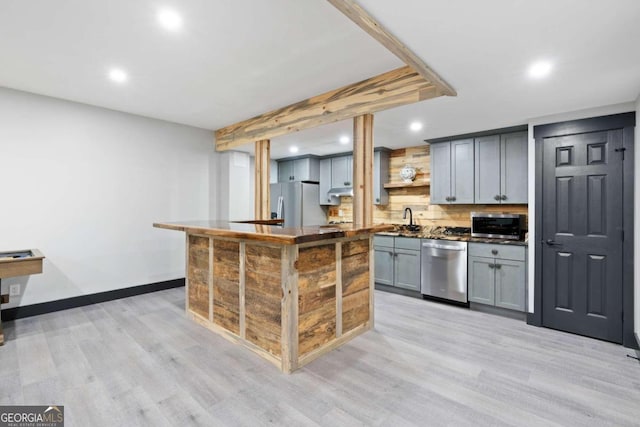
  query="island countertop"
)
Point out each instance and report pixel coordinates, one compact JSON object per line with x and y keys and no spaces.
{"x":272,"y":233}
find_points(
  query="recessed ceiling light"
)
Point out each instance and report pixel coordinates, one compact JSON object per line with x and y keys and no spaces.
{"x":169,"y":19}
{"x":344,"y":139}
{"x":293,"y":149}
{"x":540,"y":69}
{"x":415,"y":126}
{"x":118,"y":75}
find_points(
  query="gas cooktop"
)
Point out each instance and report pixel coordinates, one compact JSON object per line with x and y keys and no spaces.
{"x":457,"y":231}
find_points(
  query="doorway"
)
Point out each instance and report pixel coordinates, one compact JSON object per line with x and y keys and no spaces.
{"x":584,"y":227}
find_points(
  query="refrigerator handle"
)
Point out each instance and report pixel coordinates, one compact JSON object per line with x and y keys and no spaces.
{"x":280,"y":207}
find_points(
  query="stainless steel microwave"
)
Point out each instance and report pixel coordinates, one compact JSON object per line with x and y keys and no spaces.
{"x":497,"y":225}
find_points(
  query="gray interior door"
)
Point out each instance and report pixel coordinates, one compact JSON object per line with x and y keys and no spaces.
{"x":582,"y":234}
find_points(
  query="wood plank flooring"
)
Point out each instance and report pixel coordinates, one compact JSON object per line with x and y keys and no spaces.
{"x":139,"y":361}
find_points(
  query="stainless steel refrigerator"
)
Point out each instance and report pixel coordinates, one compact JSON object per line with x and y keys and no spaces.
{"x":298,"y":203}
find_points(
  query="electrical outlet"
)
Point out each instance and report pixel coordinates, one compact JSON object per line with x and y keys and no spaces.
{"x":14,"y":290}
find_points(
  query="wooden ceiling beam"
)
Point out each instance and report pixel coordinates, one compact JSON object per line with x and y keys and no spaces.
{"x":368,"y":23}
{"x":391,"y":89}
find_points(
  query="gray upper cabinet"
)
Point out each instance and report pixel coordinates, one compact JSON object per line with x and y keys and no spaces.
{"x":337,"y":172}
{"x":440,"y":172}
{"x":380,"y":176}
{"x":514,"y":167}
{"x":501,"y":168}
{"x":487,"y":168}
{"x":325,"y":184}
{"x":341,"y":171}
{"x":452,"y":176}
{"x":302,"y":169}
{"x":285,"y":170}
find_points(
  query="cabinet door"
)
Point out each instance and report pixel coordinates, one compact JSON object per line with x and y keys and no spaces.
{"x":285,"y":171}
{"x":383,"y":265}
{"x":301,"y":169}
{"x":341,"y":171}
{"x":481,"y":280}
{"x":407,"y":269}
{"x":514,"y":174}
{"x":325,"y":184}
{"x":510,"y":284}
{"x":487,"y":170}
{"x":380,"y":176}
{"x":440,"y":154}
{"x":306,"y":169}
{"x":462,"y":171}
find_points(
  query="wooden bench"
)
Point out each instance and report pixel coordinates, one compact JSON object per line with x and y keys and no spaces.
{"x":18,"y":263}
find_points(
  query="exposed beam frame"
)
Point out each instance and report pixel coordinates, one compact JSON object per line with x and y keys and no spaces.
{"x":262,"y":188}
{"x":368,"y":23}
{"x":363,"y":170}
{"x":388,"y":90}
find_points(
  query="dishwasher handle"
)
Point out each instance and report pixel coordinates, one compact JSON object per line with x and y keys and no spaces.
{"x":446,"y":247}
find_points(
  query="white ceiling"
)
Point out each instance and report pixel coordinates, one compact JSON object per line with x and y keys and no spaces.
{"x":235,"y":59}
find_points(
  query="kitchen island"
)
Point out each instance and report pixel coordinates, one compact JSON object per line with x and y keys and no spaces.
{"x":289,"y":294}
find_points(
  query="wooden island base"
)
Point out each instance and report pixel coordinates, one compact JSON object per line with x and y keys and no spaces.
{"x":288,"y":302}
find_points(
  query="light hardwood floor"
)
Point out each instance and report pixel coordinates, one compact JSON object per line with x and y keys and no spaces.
{"x":138,"y":361}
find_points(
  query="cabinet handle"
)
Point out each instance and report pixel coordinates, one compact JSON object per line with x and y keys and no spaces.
{"x":377,"y":200}
{"x":453,"y":199}
{"x":347,"y":183}
{"x":503,"y":197}
{"x":494,"y":251}
{"x":497,"y":197}
{"x":492,"y":266}
{"x":498,"y":266}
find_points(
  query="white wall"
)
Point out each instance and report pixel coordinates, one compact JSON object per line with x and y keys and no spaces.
{"x":234,"y":182}
{"x":574,"y":115}
{"x":636,"y":275}
{"x":84,"y":185}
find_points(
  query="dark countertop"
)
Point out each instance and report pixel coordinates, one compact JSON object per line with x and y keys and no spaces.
{"x":437,"y":233}
{"x":272,"y":233}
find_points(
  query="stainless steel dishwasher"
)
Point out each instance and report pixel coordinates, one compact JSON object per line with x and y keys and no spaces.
{"x":444,"y":269}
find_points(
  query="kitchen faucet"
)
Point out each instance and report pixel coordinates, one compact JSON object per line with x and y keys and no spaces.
{"x":404,"y":216}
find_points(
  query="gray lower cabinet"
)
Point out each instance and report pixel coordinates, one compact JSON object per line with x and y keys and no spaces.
{"x":497,"y":275}
{"x":452,"y":173}
{"x":383,"y":270}
{"x":397,"y":261}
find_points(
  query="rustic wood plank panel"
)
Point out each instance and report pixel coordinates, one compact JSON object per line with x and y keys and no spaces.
{"x":391,"y":89}
{"x":263,"y":296}
{"x":226,"y":285}
{"x":289,"y":306}
{"x":355,"y":266}
{"x":316,"y":296}
{"x":375,"y":29}
{"x":316,"y":328}
{"x":199,"y":275}
{"x":355,"y":309}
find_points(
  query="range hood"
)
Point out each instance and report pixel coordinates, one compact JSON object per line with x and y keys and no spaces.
{"x":340,"y":191}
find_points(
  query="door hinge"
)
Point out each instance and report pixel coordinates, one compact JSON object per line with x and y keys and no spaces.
{"x":620,"y":150}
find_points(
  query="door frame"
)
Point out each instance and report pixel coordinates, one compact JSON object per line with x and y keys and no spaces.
{"x":626,"y":122}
